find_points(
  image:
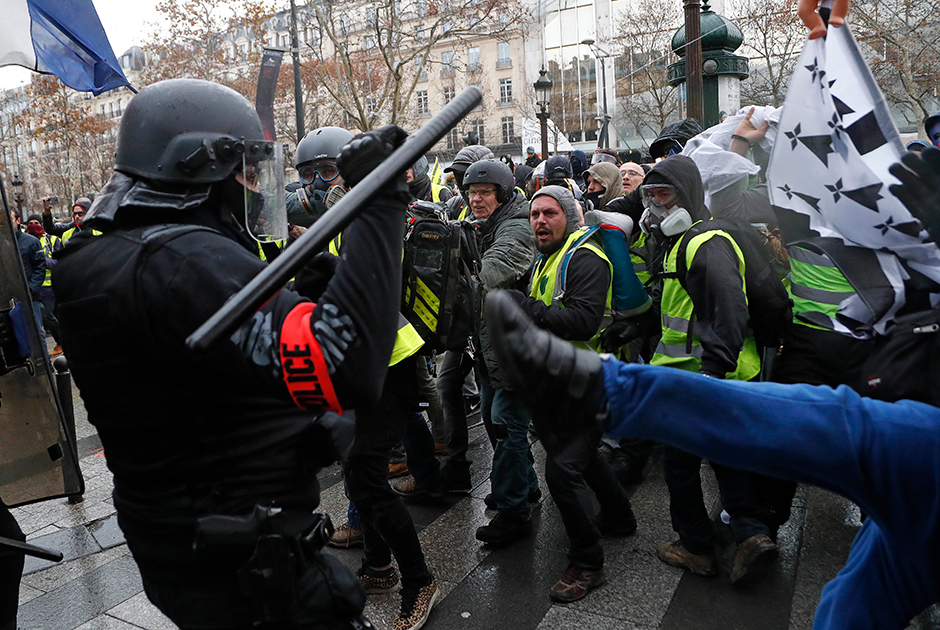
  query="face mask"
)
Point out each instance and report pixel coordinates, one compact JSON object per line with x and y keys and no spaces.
{"x":676,"y":221}
{"x":594,"y":198}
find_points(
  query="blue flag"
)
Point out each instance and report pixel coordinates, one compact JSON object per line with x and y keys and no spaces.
{"x":60,"y":37}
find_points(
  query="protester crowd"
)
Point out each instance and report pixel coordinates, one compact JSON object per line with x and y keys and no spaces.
{"x":641,"y":256}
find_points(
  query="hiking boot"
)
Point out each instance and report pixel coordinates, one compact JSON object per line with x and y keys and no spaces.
{"x":560,"y":384}
{"x":576,"y":584}
{"x":56,"y":351}
{"x":674,"y":554}
{"x":440,"y":448}
{"x":416,"y":606}
{"x":373,"y":581}
{"x":399,"y":469}
{"x":490,"y":500}
{"x":459,"y":485}
{"x":504,"y":529}
{"x":411,"y":489}
{"x":615,"y":527}
{"x":754,"y":557}
{"x":345,"y":537}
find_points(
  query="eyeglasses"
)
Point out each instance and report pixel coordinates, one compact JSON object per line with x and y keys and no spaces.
{"x":327,"y":172}
{"x":78,"y":213}
{"x":634,"y":174}
{"x":483,"y":192}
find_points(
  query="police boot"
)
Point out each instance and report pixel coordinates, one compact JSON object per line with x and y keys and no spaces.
{"x":562,"y":386}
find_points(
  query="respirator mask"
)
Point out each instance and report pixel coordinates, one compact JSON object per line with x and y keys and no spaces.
{"x":659,"y":201}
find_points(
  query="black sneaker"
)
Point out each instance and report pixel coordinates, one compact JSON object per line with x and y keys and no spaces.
{"x":534,"y":497}
{"x":554,"y":379}
{"x":615,"y":527}
{"x":504,"y":529}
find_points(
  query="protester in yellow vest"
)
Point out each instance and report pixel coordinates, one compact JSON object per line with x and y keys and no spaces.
{"x":50,"y":245}
{"x":570,"y":296}
{"x":704,"y":320}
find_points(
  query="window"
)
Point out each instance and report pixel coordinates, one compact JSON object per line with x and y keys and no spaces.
{"x":447,"y":64}
{"x":505,"y":92}
{"x":421,"y":70}
{"x":473,"y":59}
{"x":449,"y":94}
{"x":503,"y":60}
{"x":344,"y":25}
{"x":477,"y":127}
{"x":370,"y":15}
{"x":453,"y":140}
{"x":371,"y":106}
{"x":423,"y":108}
{"x":509,"y":131}
{"x":421,"y":8}
{"x":369,"y":42}
{"x":120,"y":106}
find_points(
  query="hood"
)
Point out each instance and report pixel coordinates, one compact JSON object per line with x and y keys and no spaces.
{"x":608,"y":175}
{"x":579,"y":162}
{"x":566,"y":200}
{"x":420,"y":186}
{"x":680,"y":132}
{"x":522,"y":174}
{"x":681,"y":172}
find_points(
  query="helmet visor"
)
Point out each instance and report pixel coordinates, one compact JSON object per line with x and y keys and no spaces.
{"x":328,"y":171}
{"x":265,"y":205}
{"x":657,"y":198}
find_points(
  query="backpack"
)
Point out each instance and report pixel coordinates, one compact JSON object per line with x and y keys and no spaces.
{"x":769,"y":306}
{"x":905,"y":361}
{"x":441,"y":291}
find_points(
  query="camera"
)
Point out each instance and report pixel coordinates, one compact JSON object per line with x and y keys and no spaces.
{"x":52,"y":201}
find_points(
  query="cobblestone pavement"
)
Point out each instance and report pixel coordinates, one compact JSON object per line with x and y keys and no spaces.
{"x":98,"y":587}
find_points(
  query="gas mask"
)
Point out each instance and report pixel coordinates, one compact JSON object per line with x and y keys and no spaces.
{"x":663,"y":212}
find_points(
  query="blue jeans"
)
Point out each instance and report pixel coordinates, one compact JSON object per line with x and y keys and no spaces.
{"x":419,"y":449}
{"x":513,"y":476}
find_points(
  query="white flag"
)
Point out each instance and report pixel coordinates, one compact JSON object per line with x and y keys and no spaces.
{"x":830,"y":162}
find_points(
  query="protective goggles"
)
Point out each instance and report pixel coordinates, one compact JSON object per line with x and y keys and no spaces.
{"x":327,"y":171}
{"x":657,"y":202}
{"x":263,"y":177}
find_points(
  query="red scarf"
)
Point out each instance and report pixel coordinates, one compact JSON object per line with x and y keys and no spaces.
{"x":35,"y":230}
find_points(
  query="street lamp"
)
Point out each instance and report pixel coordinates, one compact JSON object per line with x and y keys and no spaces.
{"x":602,"y":55}
{"x":543,"y":92}
{"x":18,"y":192}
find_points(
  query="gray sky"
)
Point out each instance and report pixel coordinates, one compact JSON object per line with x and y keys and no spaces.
{"x":124,"y":21}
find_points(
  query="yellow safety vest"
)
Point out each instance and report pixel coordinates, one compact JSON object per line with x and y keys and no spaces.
{"x":69,"y":233}
{"x":407,"y":340}
{"x":48,"y":247}
{"x":675,"y":349}
{"x":547,"y":282}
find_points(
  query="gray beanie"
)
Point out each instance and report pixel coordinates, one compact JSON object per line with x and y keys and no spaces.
{"x":567,"y":202}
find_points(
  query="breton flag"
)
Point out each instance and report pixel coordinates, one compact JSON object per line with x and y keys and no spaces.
{"x":60,"y":37}
{"x":835,"y":142}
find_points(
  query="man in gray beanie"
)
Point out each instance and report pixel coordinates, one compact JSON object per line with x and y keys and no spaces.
{"x":571,"y":301}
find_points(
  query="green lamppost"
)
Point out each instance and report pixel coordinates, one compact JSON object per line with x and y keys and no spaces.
{"x":722,"y":70}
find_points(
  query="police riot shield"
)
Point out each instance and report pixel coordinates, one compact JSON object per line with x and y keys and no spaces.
{"x":37,"y":454}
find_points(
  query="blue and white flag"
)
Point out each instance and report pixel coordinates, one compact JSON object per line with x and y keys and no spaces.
{"x":60,"y":37}
{"x":835,"y":142}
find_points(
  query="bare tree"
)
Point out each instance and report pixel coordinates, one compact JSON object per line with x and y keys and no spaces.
{"x":773,"y":39}
{"x":372,"y":55}
{"x":642,"y":49}
{"x":902,"y":42}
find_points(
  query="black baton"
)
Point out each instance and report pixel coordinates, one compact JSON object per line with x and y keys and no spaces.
{"x":254,"y":294}
{"x":31,"y":550}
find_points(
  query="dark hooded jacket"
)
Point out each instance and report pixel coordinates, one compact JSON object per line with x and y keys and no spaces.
{"x":579,"y":164}
{"x":713,"y":280}
{"x":420,"y":187}
{"x":680,"y":132}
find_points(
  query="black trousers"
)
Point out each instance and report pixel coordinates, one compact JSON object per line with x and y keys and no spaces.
{"x":11,"y":570}
{"x":569,"y":474}
{"x":386,"y":523}
{"x":740,"y":496}
{"x":454,"y":370}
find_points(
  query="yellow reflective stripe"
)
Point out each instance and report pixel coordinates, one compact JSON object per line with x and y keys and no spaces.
{"x":427,"y":306}
{"x":336,"y":244}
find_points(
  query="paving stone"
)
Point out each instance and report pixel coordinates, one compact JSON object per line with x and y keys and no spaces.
{"x":107,"y":532}
{"x":72,"y":543}
{"x":139,"y":611}
{"x":561,"y":617}
{"x":106,"y":622}
{"x":58,"y":575}
{"x":28,"y":593}
{"x":79,"y":601}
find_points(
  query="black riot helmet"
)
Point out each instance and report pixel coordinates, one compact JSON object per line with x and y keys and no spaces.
{"x":325,"y":142}
{"x":558,"y":167}
{"x":491,"y":172}
{"x":186,"y":131}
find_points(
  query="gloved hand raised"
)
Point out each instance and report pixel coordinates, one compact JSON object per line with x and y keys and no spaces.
{"x":919,"y":189}
{"x":311,"y":281}
{"x":367,"y":150}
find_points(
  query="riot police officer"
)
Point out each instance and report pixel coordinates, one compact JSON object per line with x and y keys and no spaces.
{"x":240,"y":430}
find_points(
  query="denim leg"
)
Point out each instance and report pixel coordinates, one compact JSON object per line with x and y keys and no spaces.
{"x":563,"y":473}
{"x":427,"y":388}
{"x":486,"y":406}
{"x":454,"y":369}
{"x":749,"y":513}
{"x":512,"y":471}
{"x":37,"y":312}
{"x":686,"y":503}
{"x":48,"y":313}
{"x":419,"y":448}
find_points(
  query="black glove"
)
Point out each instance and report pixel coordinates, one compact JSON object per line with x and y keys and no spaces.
{"x":311,"y":281}
{"x":919,"y":189}
{"x":341,"y":430}
{"x":367,"y":150}
{"x":619,"y":334}
{"x":6,"y":328}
